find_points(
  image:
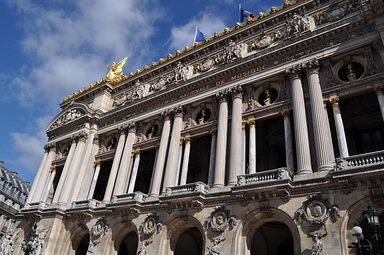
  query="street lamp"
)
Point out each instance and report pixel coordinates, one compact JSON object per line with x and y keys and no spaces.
{"x":372,"y":245}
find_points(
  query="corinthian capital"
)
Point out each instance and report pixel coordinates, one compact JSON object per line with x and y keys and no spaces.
{"x":178,"y":111}
{"x":49,"y":146}
{"x":312,"y":66}
{"x":237,"y":92}
{"x":294,"y":71}
{"x":131,"y":127}
{"x":222,"y":95}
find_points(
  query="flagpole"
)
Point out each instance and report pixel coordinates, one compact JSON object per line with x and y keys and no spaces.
{"x":240,"y":14}
{"x":194,"y":39}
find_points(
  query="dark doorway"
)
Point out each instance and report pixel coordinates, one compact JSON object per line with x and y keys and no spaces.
{"x":56,"y":180}
{"x":189,"y":243}
{"x":199,"y":159}
{"x":82,"y":248}
{"x":102,"y":180}
{"x":144,"y":174}
{"x":273,"y":238}
{"x":129,"y":245}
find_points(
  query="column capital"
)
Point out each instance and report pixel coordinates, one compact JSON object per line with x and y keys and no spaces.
{"x":82,"y":136}
{"x":49,"y":146}
{"x":97,"y":162}
{"x":334,"y":100}
{"x":96,"y":140}
{"x":187,"y":140}
{"x":178,"y":111}
{"x":213,"y":132}
{"x":236,"y":92}
{"x":137,"y":153}
{"x":131,"y":127}
{"x":312,"y":66}
{"x":379,"y":90}
{"x":222,"y":95}
{"x":52,"y":168}
{"x":294,"y":71}
{"x":165,"y":114}
{"x":122,"y":129}
{"x":251,"y":123}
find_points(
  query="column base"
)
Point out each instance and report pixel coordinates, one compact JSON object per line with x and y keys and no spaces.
{"x":325,"y":168}
{"x":304,"y":171}
{"x":152,"y":198}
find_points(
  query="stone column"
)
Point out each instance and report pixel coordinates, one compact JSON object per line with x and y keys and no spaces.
{"x":300,"y":122}
{"x":64,"y":173}
{"x":236,"y":135}
{"x":179,"y":162}
{"x":42,"y":174}
{"x":124,"y":170}
{"x":115,"y":165}
{"x":244,"y":147}
{"x":184,"y":168}
{"x":252,"y":146}
{"x":340,"y":132}
{"x":380,"y":98}
{"x":288,"y":141}
{"x":94,"y":179}
{"x":73,"y":170}
{"x":161,"y":153}
{"x":221,"y":144}
{"x":321,"y":130}
{"x":173,"y":152}
{"x":212,"y":158}
{"x":135,"y":169}
{"x":52,"y":174}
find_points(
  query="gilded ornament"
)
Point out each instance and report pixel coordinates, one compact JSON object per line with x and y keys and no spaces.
{"x":115,"y":72}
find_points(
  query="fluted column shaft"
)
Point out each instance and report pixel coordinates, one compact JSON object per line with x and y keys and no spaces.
{"x":236,"y":136}
{"x":39,"y":179}
{"x":64,"y":173}
{"x":94,"y":179}
{"x":135,"y":169}
{"x":380,"y":98}
{"x":252,"y":146}
{"x":244,"y":150}
{"x":184,"y":168}
{"x":160,"y":158}
{"x":340,"y":132}
{"x":115,"y":166}
{"x":321,"y":130}
{"x":300,"y":122}
{"x":52,"y":174}
{"x":212,"y":158}
{"x":124,"y":170}
{"x":288,"y":141}
{"x":221,"y":143}
{"x":173,"y":153}
{"x":179,"y":163}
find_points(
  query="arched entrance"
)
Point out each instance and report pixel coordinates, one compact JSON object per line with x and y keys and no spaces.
{"x":129,"y":244}
{"x":190,"y":242}
{"x":272,"y":238}
{"x":82,"y":247}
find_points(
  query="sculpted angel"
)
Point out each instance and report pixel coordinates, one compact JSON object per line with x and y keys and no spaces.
{"x":115,"y":72}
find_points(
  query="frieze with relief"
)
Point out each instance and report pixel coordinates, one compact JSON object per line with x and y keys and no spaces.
{"x":265,"y":40}
{"x":68,"y":116}
{"x":139,"y":90}
{"x":297,"y":25}
{"x":336,"y":12}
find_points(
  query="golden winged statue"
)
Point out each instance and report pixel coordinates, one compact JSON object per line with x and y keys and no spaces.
{"x":115,"y":72}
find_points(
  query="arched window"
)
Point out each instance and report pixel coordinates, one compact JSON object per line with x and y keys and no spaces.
{"x":129,"y":245}
{"x":273,"y":238}
{"x":82,"y":247}
{"x":190,"y":242}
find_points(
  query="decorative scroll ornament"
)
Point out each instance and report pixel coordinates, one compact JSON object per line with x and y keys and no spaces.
{"x":297,"y":25}
{"x":68,"y":116}
{"x":97,"y":232}
{"x":35,"y":243}
{"x":115,"y":72}
{"x":218,"y":223}
{"x":316,"y":211}
{"x":147,"y":230}
{"x":265,"y":41}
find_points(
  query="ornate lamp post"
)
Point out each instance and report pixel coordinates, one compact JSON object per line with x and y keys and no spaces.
{"x":372,"y":245}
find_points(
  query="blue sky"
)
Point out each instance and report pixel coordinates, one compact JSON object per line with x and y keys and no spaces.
{"x":50,"y":48}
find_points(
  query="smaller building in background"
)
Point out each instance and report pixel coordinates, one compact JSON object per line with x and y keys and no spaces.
{"x":13,"y":194}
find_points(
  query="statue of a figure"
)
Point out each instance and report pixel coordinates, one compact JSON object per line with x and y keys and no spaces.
{"x":115,"y":72}
{"x":317,"y":247}
{"x":231,"y":52}
{"x":297,"y":25}
{"x":181,"y":72}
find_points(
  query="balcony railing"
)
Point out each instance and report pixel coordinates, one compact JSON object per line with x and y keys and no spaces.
{"x":265,"y":176}
{"x":131,"y":197}
{"x":190,"y":188}
{"x":83,"y":204}
{"x":371,"y":159}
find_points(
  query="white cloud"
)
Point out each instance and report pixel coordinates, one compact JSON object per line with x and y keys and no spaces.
{"x":207,"y":23}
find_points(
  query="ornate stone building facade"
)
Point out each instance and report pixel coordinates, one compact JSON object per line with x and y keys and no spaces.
{"x":13,"y":195}
{"x":264,"y":139}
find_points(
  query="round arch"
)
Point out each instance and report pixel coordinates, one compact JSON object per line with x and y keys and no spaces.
{"x":256,"y":219}
{"x":175,"y":228}
{"x":72,"y":242}
{"x":118,"y":234}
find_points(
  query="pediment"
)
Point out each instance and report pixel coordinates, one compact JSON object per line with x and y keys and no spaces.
{"x":70,"y":114}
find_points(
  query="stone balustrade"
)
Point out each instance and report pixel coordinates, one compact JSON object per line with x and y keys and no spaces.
{"x":84,"y":204}
{"x":129,"y":198}
{"x":190,"y":188}
{"x":371,"y":159}
{"x":265,"y":176}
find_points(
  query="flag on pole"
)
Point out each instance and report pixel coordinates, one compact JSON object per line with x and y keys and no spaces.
{"x":199,"y":36}
{"x":244,"y":14}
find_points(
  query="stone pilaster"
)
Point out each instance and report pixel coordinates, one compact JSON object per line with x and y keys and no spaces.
{"x":115,"y":164}
{"x":52,"y":174}
{"x":184,"y":168}
{"x":173,"y":153}
{"x":321,"y":130}
{"x":212,"y":158}
{"x":160,"y":158}
{"x":252,"y":146}
{"x":288,"y":141}
{"x":221,"y":144}
{"x":94,"y":179}
{"x":340,"y":132}
{"x":135,"y":169}
{"x":124,"y":170}
{"x":300,"y":122}
{"x":236,"y":135}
